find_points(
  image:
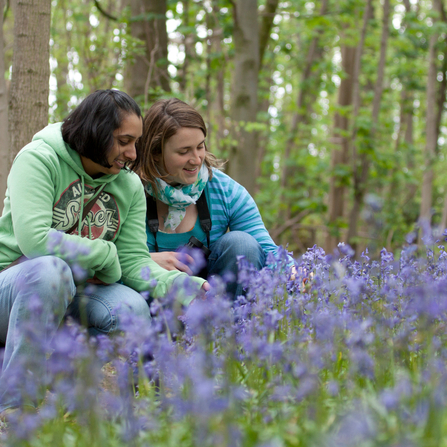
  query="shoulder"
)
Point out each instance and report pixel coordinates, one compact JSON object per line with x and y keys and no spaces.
{"x":45,"y":144}
{"x":37,"y":151}
{"x":223,"y":181}
{"x":129,"y":181}
{"x":220,"y":177}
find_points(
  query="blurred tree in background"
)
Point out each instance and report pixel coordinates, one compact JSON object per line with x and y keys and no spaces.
{"x":331,"y":113}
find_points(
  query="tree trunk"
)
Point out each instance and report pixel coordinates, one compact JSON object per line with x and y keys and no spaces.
{"x":4,"y":138}
{"x":189,"y":41}
{"x":303,"y":106}
{"x":339,"y":155}
{"x":28,"y":101}
{"x":430,"y":130}
{"x":147,"y":76}
{"x":243,"y":153}
{"x":301,"y":110}
{"x":266,"y":26}
{"x":268,"y":16}
{"x":61,"y":46}
{"x":353,"y":217}
{"x":215,"y":91}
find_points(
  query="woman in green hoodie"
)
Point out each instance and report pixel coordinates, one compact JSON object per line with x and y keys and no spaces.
{"x":74,"y":215}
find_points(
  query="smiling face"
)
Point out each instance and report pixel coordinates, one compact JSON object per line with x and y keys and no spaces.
{"x":123,"y":149}
{"x":183,"y":156}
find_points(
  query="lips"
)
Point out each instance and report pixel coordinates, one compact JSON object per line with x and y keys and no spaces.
{"x":120,"y":163}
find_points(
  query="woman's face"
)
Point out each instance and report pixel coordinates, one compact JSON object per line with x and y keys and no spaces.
{"x":183,"y":155}
{"x":123,"y":149}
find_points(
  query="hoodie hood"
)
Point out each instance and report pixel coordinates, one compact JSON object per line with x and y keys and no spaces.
{"x":52,"y":136}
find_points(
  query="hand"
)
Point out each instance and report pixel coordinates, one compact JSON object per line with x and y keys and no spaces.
{"x":202,"y":292}
{"x":293,"y":273}
{"x":171,"y":260}
{"x":97,"y":281}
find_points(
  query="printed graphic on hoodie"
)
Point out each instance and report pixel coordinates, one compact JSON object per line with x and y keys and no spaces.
{"x":103,"y":219}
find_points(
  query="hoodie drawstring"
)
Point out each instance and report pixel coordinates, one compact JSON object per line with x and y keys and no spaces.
{"x":81,"y":210}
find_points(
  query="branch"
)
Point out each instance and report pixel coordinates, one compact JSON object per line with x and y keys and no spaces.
{"x":275,"y":232}
{"x":104,"y":13}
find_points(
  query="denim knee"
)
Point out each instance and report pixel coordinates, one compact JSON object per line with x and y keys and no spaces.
{"x":51,"y":279}
{"x":103,"y":307}
{"x":239,"y":243}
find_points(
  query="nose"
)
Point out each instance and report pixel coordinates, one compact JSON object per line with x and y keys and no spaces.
{"x":131,"y":152}
{"x":195,"y":158}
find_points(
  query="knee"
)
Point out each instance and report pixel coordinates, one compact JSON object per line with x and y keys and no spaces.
{"x":238,"y":243}
{"x":243,"y":244}
{"x":50,"y":276}
{"x":107,"y":316}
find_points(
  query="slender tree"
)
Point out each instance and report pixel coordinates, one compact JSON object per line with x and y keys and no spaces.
{"x":361,"y":170}
{"x":430,"y":128}
{"x":4,"y":138}
{"x":215,"y":78}
{"x":352,"y":231}
{"x":147,"y":76}
{"x":303,"y":98}
{"x":244,"y":97}
{"x":28,"y":99}
{"x":340,"y":152}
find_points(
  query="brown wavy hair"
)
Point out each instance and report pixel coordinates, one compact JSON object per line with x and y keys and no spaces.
{"x":162,"y":121}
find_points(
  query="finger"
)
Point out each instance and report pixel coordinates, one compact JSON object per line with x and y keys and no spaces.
{"x":185,"y":258}
{"x":183,"y":268}
{"x":206,"y":286}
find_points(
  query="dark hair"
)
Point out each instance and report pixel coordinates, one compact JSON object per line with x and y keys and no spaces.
{"x":89,"y":128}
{"x":162,"y":121}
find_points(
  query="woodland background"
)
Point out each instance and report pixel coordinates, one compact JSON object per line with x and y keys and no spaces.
{"x":330,"y":112}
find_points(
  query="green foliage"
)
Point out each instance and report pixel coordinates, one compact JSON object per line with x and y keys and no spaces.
{"x":89,"y":51}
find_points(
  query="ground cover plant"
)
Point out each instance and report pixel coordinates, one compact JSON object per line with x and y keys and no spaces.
{"x":356,"y":357}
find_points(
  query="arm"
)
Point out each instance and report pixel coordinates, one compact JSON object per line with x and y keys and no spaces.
{"x":31,"y":186}
{"x":244,"y":216}
{"x":134,"y":254}
{"x":171,"y":260}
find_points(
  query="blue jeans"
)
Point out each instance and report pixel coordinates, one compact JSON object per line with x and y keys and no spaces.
{"x":223,"y":258}
{"x":34,"y":298}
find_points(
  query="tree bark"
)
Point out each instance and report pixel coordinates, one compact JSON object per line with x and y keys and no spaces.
{"x":243,"y":152}
{"x":189,"y":40}
{"x":340,"y":153}
{"x":4,"y":138}
{"x":266,"y":26}
{"x":28,"y":102}
{"x":215,"y":91}
{"x":147,"y":76}
{"x":430,"y":129}
{"x":265,"y":29}
{"x":301,"y":113}
{"x":353,"y":217}
{"x":59,"y":51}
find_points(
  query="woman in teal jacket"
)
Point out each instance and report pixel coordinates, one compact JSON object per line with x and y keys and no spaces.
{"x":179,"y":172}
{"x":74,"y":214}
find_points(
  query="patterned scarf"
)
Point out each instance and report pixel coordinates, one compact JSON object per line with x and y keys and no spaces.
{"x":178,"y":198}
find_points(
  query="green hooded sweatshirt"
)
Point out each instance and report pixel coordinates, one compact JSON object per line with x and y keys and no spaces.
{"x":47,"y":191}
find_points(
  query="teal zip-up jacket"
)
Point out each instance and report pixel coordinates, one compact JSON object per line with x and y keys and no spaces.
{"x":47,"y":191}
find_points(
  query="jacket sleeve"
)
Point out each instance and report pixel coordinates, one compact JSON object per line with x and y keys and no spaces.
{"x":31,"y":187}
{"x":139,"y":270}
{"x":244,"y":215}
